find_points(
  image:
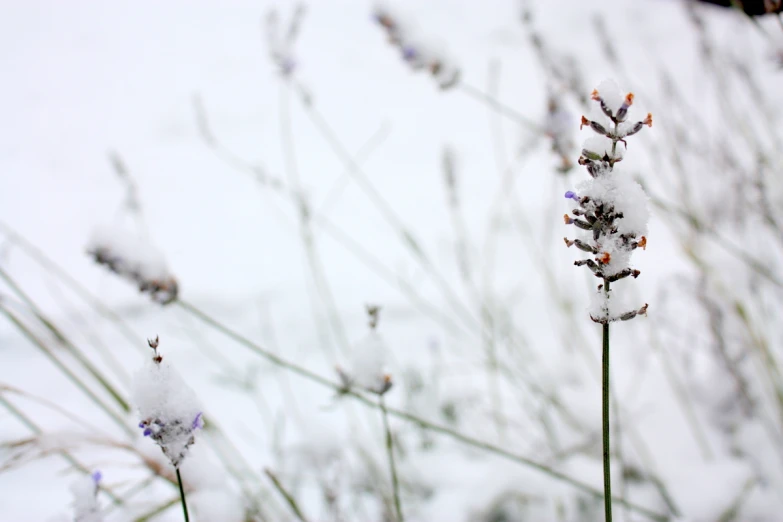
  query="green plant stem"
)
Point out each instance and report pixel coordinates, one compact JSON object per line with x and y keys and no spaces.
{"x":289,"y":498}
{"x":75,"y":379}
{"x":400,"y":414}
{"x":182,"y":497}
{"x":500,"y":108}
{"x":392,"y":463}
{"x":605,"y":402}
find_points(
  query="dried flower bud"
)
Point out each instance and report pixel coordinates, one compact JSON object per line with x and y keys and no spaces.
{"x":622,"y":112}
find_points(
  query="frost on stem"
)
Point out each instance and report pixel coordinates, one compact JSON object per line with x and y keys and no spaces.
{"x":85,"y":498}
{"x":612,"y":209}
{"x":415,"y":50}
{"x":133,"y":259}
{"x":169,"y":410}
{"x":368,"y":369}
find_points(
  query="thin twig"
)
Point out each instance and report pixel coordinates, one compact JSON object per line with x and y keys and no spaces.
{"x":289,"y":498}
{"x":392,"y":462}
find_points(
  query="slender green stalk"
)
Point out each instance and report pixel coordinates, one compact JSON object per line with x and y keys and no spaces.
{"x":62,"y":339}
{"x":501,"y":108}
{"x":400,"y":414}
{"x":392,"y":463}
{"x":14,"y":411}
{"x":75,"y":379}
{"x":289,"y":498}
{"x":182,"y":497}
{"x":605,"y":402}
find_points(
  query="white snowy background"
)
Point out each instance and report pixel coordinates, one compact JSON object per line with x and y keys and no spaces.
{"x":484,"y":317}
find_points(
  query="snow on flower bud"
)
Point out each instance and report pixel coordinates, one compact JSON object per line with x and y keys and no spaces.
{"x":415,"y":50}
{"x":133,"y":259}
{"x":368,"y":369}
{"x":612,"y":208}
{"x":168,"y":407}
{"x":85,"y":498}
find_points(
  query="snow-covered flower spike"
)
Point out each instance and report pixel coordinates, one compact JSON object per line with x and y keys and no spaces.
{"x":613,"y":212}
{"x":85,"y":498}
{"x":133,"y":259}
{"x":417,"y":54}
{"x":169,"y":410}
{"x":368,"y":370}
{"x":611,"y":208}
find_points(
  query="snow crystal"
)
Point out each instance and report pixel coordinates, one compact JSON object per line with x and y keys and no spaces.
{"x":168,"y":407}
{"x":85,"y":501}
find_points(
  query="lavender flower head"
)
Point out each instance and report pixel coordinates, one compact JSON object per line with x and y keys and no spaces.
{"x":416,"y":50}
{"x":170,"y":412}
{"x":612,"y":208}
{"x":85,"y":498}
{"x":135,"y":260}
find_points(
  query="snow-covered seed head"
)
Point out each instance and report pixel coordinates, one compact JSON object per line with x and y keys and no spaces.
{"x":135,"y":260}
{"x":368,"y":370}
{"x":415,"y":50}
{"x":612,"y":208}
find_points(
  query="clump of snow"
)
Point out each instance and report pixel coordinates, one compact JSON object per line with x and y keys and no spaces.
{"x":134,"y":259}
{"x":169,"y":409}
{"x":85,"y":499}
{"x":610,"y":306}
{"x":129,"y":254}
{"x":602,"y":146}
{"x":611,"y":94}
{"x":623,"y":194}
{"x":369,"y":366}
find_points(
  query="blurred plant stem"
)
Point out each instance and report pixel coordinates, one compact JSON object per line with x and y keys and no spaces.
{"x":436,"y":428}
{"x":289,"y":498}
{"x":392,"y":462}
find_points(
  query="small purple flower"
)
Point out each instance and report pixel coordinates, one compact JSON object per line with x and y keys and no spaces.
{"x":198,"y":422}
{"x":409,"y":53}
{"x":571,"y":195}
{"x":147,"y":432}
{"x":96,"y":477}
{"x":142,"y":424}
